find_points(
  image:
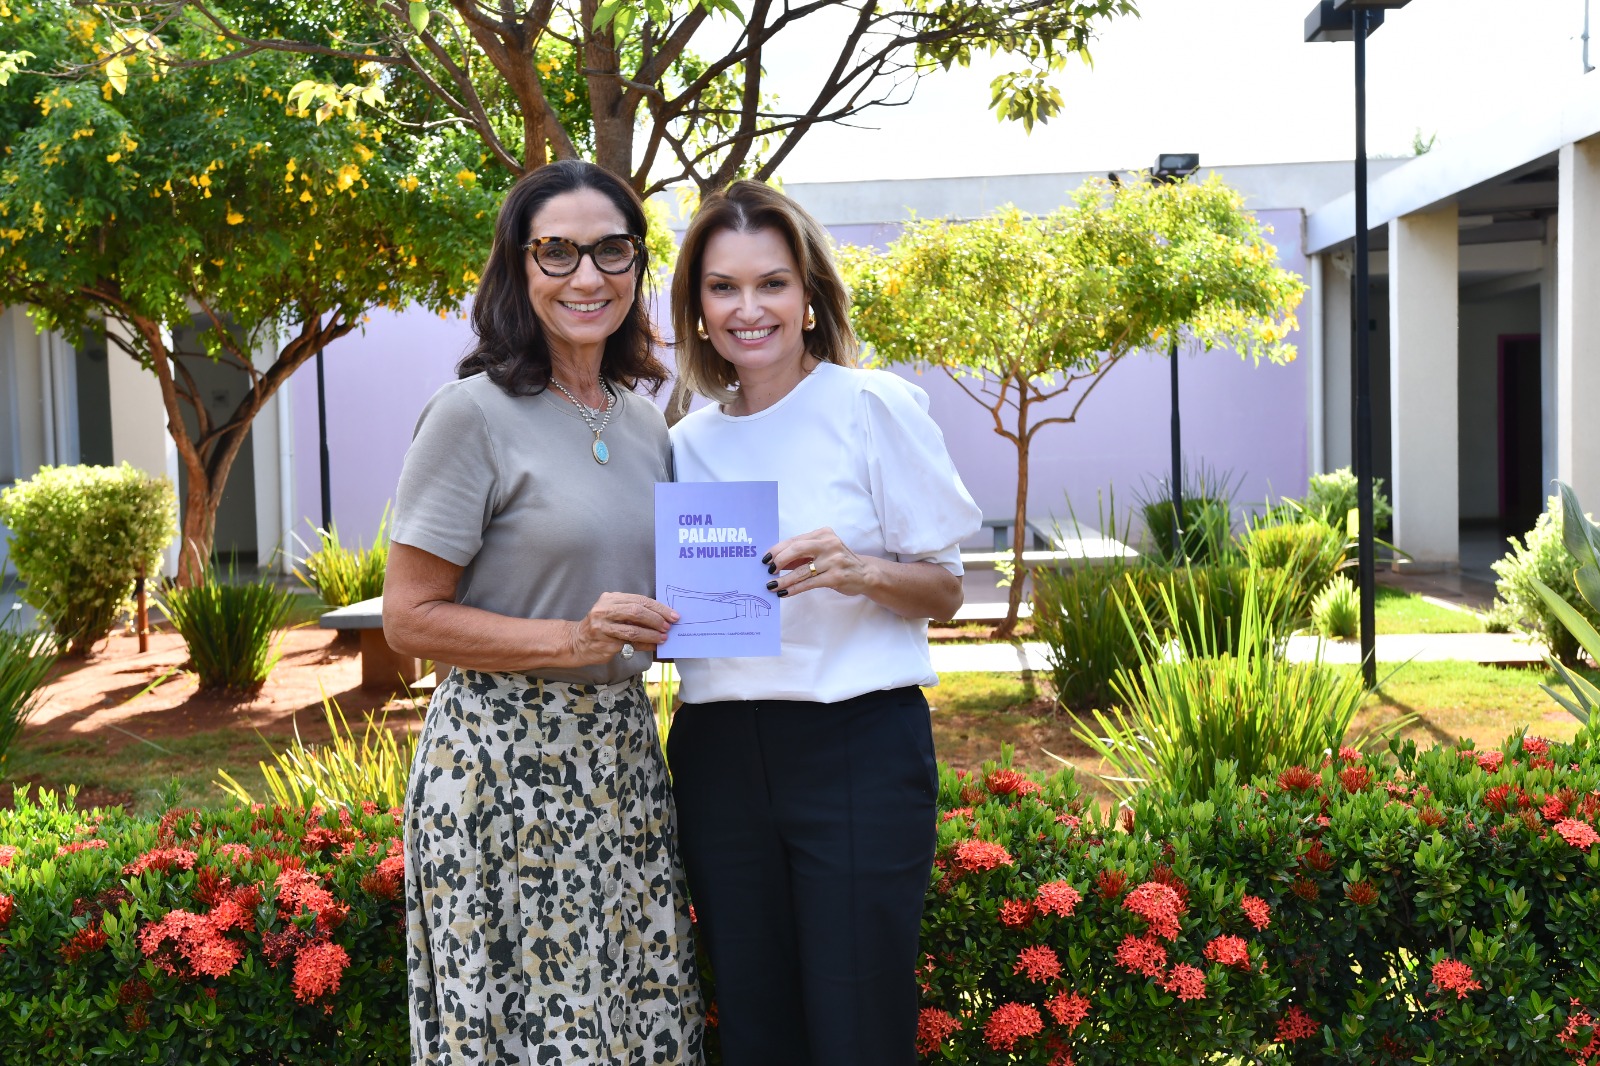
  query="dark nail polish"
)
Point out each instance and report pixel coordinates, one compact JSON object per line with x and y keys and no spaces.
{"x":771,"y":585}
{"x":782,"y":593}
{"x":767,"y":558}
{"x":772,"y":569}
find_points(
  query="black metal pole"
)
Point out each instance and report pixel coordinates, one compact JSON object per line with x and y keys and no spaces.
{"x":322,"y":439}
{"x":1363,"y":353}
{"x":1177,"y":458}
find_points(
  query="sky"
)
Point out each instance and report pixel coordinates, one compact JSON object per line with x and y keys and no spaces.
{"x":1230,"y":79}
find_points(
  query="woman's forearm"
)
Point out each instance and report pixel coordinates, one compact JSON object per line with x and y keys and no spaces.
{"x":912,"y":590}
{"x":478,"y":639}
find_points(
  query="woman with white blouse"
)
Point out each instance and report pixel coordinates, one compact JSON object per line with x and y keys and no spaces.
{"x":806,"y":783}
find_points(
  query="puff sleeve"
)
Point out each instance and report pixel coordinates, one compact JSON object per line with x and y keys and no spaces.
{"x":448,"y":483}
{"x":924,"y":509}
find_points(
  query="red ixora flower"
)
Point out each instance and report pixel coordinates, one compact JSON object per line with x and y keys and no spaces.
{"x":1355,"y":778}
{"x":1491,"y":760}
{"x":1189,"y":982}
{"x":1011,"y":783}
{"x":1038,"y":963}
{"x":1142,"y":954}
{"x":86,"y":941}
{"x":81,"y":845}
{"x":1361,"y":893}
{"x":1349,"y":754}
{"x":1068,"y":1009}
{"x":1016,"y":913}
{"x":933,"y":1026}
{"x":1296,"y":1025}
{"x":7,"y":853}
{"x":1579,"y":834}
{"x":1305,"y":889}
{"x":317,"y":970}
{"x":196,"y":939}
{"x":1536,"y":745}
{"x":163,"y":859}
{"x":1431,"y":817}
{"x":1009,"y":1023}
{"x":1450,"y":975}
{"x":1159,"y":905}
{"x":1110,"y":883}
{"x":1257,"y":911}
{"x":1229,"y":951}
{"x":1298,"y":779}
{"x":1058,"y":898}
{"x":976,"y":855}
{"x":956,"y":812}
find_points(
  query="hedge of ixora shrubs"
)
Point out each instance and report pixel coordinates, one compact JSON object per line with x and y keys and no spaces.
{"x":1376,"y":909}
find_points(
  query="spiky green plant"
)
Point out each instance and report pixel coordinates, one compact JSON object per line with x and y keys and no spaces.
{"x":1581,"y":537}
{"x":26,"y":656}
{"x":345,"y":771}
{"x":1190,"y":704}
{"x":1336,"y":612}
{"x":340,"y":575}
{"x":229,"y":628}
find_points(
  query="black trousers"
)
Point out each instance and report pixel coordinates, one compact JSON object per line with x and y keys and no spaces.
{"x":807,"y":831}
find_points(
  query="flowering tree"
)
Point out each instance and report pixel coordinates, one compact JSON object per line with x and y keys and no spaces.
{"x":1019,"y":310}
{"x":203,"y":198}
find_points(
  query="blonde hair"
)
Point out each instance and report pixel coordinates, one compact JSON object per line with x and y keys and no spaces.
{"x":746,"y":207}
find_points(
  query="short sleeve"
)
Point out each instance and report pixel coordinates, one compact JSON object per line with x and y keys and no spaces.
{"x":925,"y":510}
{"x":447,"y":485}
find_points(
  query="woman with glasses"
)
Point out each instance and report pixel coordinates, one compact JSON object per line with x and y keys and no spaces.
{"x":545,"y":904}
{"x":806,"y":782}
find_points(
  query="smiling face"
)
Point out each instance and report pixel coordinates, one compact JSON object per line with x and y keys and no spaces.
{"x":753,"y":302}
{"x":579,"y":311}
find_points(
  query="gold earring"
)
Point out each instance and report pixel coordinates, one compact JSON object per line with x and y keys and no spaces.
{"x":700,"y":329}
{"x":811,"y":319}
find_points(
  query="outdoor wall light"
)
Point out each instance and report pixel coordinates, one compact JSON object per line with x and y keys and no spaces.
{"x":1330,"y":23}
{"x":1173,"y":166}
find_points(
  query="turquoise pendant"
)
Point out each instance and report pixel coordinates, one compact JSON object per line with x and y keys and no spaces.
{"x":602,"y":454}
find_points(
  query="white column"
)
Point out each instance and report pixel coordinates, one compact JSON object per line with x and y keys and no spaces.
{"x":265,"y":430}
{"x":1424,"y":276}
{"x":1577,"y":393}
{"x":1337,"y":445}
{"x":139,"y":434}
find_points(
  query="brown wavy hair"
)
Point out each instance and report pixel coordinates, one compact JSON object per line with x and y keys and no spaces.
{"x":512,"y":348}
{"x":746,"y":207}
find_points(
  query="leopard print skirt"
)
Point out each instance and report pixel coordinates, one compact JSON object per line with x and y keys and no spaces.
{"x":546,"y":912}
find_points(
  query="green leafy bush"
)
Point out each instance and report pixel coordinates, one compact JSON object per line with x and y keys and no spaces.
{"x":229,"y":628}
{"x":1310,"y":551}
{"x":1204,"y":606}
{"x":342,"y":576}
{"x":345,"y":771}
{"x":1195,"y":702}
{"x":1078,"y":614}
{"x":1541,"y":556}
{"x":80,"y":537}
{"x":26,"y":657}
{"x":1384,"y":908}
{"x":207,"y":938}
{"x":1336,"y":612}
{"x":1331,"y":497}
{"x":1207,"y":527}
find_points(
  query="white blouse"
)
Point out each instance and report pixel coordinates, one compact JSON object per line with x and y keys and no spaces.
{"x":854,"y":450}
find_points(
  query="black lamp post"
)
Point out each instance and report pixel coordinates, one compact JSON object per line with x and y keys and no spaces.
{"x":1174,"y":167}
{"x":1355,"y":20}
{"x":322,"y":445}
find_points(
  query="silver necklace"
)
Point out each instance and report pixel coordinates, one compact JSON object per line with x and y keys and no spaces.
{"x":602,"y":454}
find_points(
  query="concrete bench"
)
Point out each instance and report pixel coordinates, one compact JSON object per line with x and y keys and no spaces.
{"x":381,"y":666}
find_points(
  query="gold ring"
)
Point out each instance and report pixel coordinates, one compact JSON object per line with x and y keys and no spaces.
{"x":813,"y":568}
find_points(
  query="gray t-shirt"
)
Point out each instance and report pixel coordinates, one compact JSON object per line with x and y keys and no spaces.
{"x":507,"y":487}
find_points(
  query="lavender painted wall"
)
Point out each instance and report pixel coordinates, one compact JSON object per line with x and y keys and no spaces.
{"x":1236,"y":417}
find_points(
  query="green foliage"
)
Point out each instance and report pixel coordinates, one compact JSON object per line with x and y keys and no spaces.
{"x":311,"y":970}
{"x":1582,"y":540}
{"x":26,"y":658}
{"x":1205,"y":607}
{"x":1203,"y":699}
{"x":1346,"y":886}
{"x":229,"y":628}
{"x":1331,"y":497}
{"x":343,"y":773}
{"x":1541,"y":557}
{"x":342,"y":576}
{"x":1309,"y":550}
{"x":1336,"y":611}
{"x":1207,"y":532}
{"x":80,"y":537}
{"x":1079,"y":615}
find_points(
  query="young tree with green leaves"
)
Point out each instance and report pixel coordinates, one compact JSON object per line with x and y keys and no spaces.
{"x":1020,"y":310}
{"x":199,"y":196}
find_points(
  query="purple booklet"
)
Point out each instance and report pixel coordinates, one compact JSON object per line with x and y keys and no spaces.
{"x":710,"y":537}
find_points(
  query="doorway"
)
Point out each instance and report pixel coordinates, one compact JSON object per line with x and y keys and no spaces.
{"x":1519,"y":431}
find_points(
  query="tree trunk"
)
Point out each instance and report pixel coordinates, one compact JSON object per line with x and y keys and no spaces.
{"x":1019,"y":530}
{"x":199,"y":531}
